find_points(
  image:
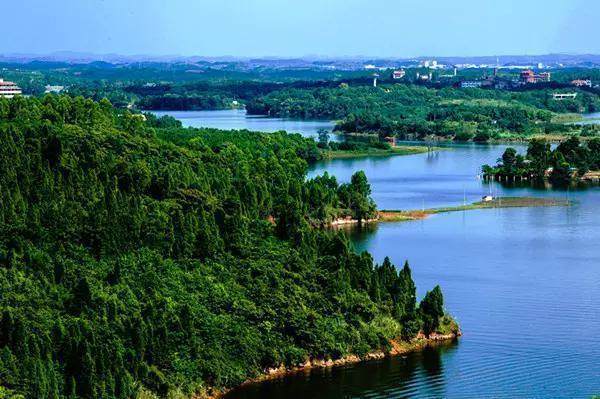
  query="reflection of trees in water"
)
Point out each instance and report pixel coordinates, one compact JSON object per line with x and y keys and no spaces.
{"x":430,"y":380}
{"x":432,"y":361}
{"x":416,"y":374}
{"x":432,"y":157}
{"x":359,"y":235}
{"x":544,"y":185}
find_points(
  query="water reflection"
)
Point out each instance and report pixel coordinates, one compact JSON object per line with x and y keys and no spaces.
{"x":398,"y":377}
{"x":238,"y":119}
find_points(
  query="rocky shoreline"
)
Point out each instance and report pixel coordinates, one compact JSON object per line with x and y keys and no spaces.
{"x":397,"y":348}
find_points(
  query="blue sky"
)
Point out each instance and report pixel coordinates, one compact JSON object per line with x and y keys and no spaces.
{"x":396,"y":28}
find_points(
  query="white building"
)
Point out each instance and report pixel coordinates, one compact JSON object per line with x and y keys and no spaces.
{"x":470,"y":84}
{"x":9,"y":89}
{"x":54,"y":89}
{"x":564,"y":96}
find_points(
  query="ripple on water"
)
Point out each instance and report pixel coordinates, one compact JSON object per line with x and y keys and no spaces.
{"x":524,"y":284}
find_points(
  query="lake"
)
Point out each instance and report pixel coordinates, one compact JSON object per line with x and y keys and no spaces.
{"x":590,"y":119}
{"x":523,"y":283}
{"x":239,"y":119}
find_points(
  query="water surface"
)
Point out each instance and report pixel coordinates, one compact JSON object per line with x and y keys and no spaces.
{"x":524,"y":283}
{"x":239,"y":119}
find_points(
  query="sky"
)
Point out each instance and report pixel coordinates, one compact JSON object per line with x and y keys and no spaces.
{"x":291,"y":28}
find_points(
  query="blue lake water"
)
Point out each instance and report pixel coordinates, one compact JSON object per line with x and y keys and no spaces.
{"x":238,"y":119}
{"x":590,"y":119}
{"x":524,"y":283}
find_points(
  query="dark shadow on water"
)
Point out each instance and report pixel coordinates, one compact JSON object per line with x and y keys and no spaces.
{"x":416,"y":374}
{"x":543,"y":186}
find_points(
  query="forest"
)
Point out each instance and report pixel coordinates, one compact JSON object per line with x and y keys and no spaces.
{"x":140,"y":259}
{"x":419,"y":112}
{"x":569,"y":161}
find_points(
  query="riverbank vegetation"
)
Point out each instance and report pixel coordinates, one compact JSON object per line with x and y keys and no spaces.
{"x":136,"y":256}
{"x":571,"y":160}
{"x":418,"y":112}
{"x":356,"y":147}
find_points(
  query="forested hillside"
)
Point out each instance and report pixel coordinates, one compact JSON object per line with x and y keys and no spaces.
{"x":136,"y":256}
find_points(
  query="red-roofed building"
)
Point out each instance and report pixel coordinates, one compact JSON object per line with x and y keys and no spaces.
{"x":9,"y":89}
{"x":398,"y":74}
{"x":528,"y":76}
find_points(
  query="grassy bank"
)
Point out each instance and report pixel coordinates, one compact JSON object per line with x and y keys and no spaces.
{"x":500,"y":202}
{"x":375,"y":152}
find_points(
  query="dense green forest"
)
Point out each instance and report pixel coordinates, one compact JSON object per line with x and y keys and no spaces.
{"x":171,"y":86}
{"x":140,"y":257}
{"x":416,"y":112}
{"x":569,"y":161}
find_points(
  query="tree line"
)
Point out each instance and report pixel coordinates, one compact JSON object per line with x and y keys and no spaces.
{"x":569,"y":161}
{"x":417,"y":112}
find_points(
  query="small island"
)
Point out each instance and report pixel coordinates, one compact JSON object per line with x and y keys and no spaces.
{"x":358,"y":147}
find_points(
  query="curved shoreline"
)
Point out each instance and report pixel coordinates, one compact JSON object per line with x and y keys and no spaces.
{"x":398,"y":348}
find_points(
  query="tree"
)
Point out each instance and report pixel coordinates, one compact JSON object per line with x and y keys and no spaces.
{"x":561,"y":170}
{"x":431,"y":309}
{"x":323,"y":138}
{"x":509,"y":160}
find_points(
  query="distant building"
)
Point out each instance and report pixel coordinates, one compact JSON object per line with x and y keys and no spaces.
{"x":54,"y":89}
{"x":491,"y":82}
{"x":9,"y":89}
{"x":487,"y":198}
{"x":398,"y":74}
{"x":471,"y":84}
{"x":582,"y":82}
{"x":503,"y":84}
{"x":425,"y":77}
{"x":528,"y":76}
{"x":564,"y":96}
{"x":543,"y":76}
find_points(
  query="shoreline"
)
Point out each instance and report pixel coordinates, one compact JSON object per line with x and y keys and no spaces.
{"x":394,"y":151}
{"x":397,"y":348}
{"x":396,"y":215}
{"x":496,"y":203}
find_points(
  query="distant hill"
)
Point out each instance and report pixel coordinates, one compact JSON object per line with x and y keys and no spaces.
{"x":585,"y":60}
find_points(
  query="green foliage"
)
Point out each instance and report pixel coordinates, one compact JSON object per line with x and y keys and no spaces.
{"x":416,"y":112}
{"x":139,"y":258}
{"x":571,"y":159}
{"x":432,"y":309}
